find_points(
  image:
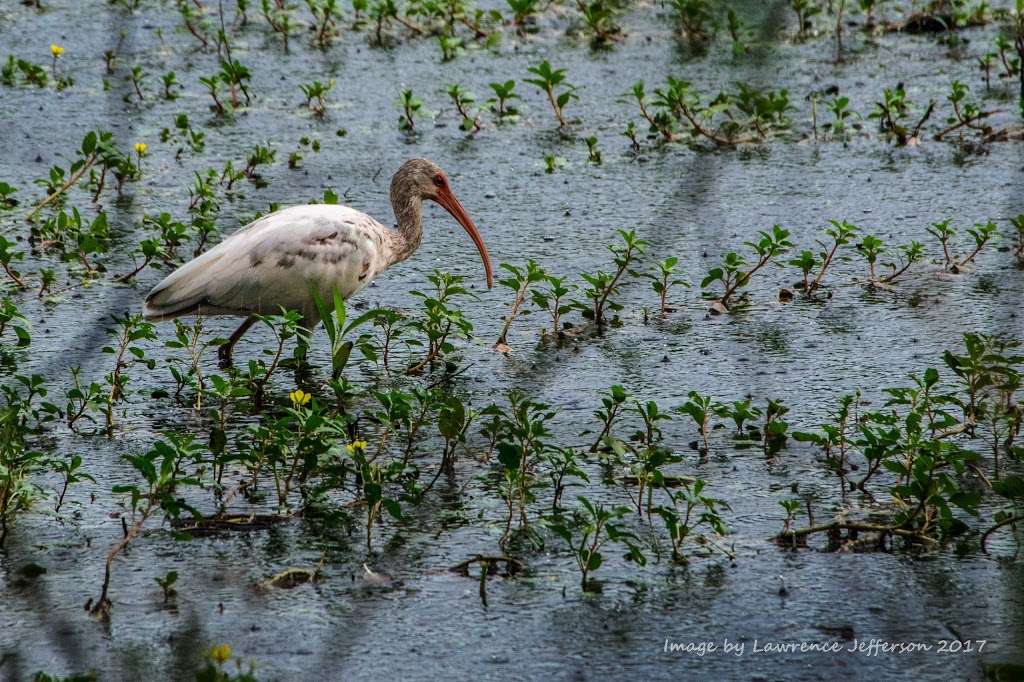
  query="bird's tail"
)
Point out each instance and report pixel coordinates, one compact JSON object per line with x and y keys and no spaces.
{"x":183,"y":291}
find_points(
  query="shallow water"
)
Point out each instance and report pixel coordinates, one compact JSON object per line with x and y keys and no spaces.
{"x":426,"y":622}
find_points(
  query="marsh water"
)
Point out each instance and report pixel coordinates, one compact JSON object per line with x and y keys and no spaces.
{"x":416,"y":619}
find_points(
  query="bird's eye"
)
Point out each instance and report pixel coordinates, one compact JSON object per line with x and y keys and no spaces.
{"x":439,"y":180}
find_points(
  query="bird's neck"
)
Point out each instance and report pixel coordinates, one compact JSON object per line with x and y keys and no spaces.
{"x":408,"y":208}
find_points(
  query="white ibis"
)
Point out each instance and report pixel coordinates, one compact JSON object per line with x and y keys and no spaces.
{"x":278,"y":260}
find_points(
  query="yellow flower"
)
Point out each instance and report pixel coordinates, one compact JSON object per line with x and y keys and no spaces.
{"x":220,"y":653}
{"x":359,"y":445}
{"x":300,"y":397}
{"x":141,"y":148}
{"x":56,"y":50}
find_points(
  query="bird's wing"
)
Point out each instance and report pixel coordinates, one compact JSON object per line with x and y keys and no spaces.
{"x":270,"y":264}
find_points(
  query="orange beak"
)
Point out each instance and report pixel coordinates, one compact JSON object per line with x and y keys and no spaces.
{"x":452,"y":205}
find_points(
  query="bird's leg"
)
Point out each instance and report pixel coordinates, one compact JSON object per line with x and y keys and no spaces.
{"x":224,"y":352}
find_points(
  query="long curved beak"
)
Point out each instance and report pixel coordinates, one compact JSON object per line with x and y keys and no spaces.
{"x":452,"y":205}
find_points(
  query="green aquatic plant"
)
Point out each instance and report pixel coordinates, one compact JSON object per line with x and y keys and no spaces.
{"x":451,"y":47}
{"x":164,"y":469}
{"x":18,"y":466}
{"x":909,"y":254}
{"x":204,"y":208}
{"x":1018,"y":43}
{"x":612,"y":405}
{"x":739,"y":33}
{"x":551,"y":297}
{"x":392,"y":334}
{"x":16,"y":72}
{"x":554,"y":84}
{"x":170,"y":234}
{"x":943,"y":231}
{"x":7,"y":256}
{"x":170,"y":81}
{"x":316,"y":95}
{"x":166,"y":583}
{"x":735,"y":273}
{"x":589,"y":528}
{"x":553,"y":163}
{"x":562,"y":465}
{"x":593,"y":151}
{"x":644,"y":466}
{"x":838,"y":7}
{"x":259,"y":156}
{"x":522,"y":10}
{"x":7,"y":200}
{"x":604,"y":285}
{"x":1018,"y":238}
{"x":340,"y":330}
{"x":278,"y":16}
{"x":410,"y":105}
{"x":630,"y":133}
{"x":213,"y":85}
{"x":520,"y":280}
{"x":966,"y":114}
{"x":791,"y":506}
{"x":839,"y":107}
{"x":741,"y":411}
{"x":519,"y":434}
{"x":150,"y":250}
{"x":599,"y":16}
{"x":835,"y":436}
{"x":235,"y":76}
{"x":689,"y":512}
{"x":184,"y":134}
{"x":651,"y":415}
{"x":441,"y":322}
{"x":82,"y":399}
{"x":870,"y":247}
{"x":842,"y":233}
{"x":694,"y":18}
{"x":662,"y":282}
{"x":504,"y":93}
{"x":128,"y":331}
{"x":195,"y":21}
{"x":805,"y":10}
{"x":326,"y":15}
{"x":188,"y":371}
{"x":661,"y":123}
{"x":136,"y":77}
{"x":746,"y":116}
{"x":97,"y":149}
{"x":464,"y":101}
{"x":377,"y":480}
{"x":807,"y":262}
{"x":700,"y":408}
{"x":284,"y":327}
{"x":893,"y":116}
{"x":986,"y":362}
{"x":70,"y":472}
{"x":453,"y":420}
{"x":775,"y":427}
{"x":1012,"y":490}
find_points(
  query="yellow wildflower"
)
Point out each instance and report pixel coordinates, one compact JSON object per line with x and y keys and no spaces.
{"x":56,"y":50}
{"x":300,"y":397}
{"x":141,"y":148}
{"x":220,"y":653}
{"x":359,"y":445}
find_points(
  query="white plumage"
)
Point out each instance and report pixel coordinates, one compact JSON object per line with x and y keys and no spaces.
{"x":272,"y":262}
{"x":277,"y":261}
